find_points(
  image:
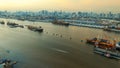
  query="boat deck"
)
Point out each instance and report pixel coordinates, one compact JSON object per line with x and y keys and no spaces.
{"x":108,"y":53}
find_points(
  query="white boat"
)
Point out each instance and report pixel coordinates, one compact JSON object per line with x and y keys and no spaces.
{"x":118,"y":46}
{"x":107,"y":53}
{"x":115,"y":30}
{"x":112,"y":28}
{"x":88,"y":25}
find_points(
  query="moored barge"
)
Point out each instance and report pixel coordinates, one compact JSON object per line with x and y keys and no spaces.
{"x":35,"y":28}
{"x":60,"y":23}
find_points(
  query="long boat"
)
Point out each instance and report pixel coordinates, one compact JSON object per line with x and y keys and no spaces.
{"x":107,"y":53}
{"x":13,"y":25}
{"x":112,"y":28}
{"x":88,"y":25}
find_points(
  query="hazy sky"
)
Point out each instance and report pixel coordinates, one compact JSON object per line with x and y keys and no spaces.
{"x":67,"y":5}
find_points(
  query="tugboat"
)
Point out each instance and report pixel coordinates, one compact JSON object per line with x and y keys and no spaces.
{"x":34,"y":28}
{"x":92,"y":41}
{"x":60,"y":23}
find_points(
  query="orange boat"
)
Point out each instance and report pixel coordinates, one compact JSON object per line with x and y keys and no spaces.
{"x":105,"y":47}
{"x":102,"y":43}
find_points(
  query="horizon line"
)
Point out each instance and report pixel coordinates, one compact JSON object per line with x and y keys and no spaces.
{"x":54,"y":11}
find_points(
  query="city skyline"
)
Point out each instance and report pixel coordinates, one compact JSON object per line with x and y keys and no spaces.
{"x":66,"y":5}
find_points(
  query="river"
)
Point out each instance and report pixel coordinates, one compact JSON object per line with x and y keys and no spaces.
{"x":56,"y":47}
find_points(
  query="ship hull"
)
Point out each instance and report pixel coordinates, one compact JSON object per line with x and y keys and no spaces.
{"x":107,"y":53}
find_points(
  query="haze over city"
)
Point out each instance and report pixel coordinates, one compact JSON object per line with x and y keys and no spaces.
{"x":65,"y":5}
